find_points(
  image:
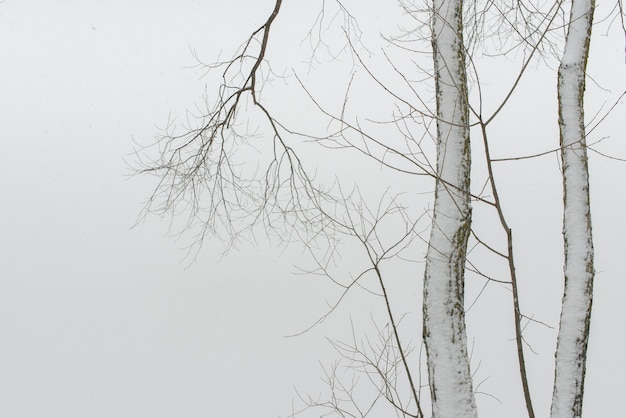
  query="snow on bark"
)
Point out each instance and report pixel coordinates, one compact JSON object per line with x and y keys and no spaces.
{"x":573,"y":335}
{"x":444,"y":317}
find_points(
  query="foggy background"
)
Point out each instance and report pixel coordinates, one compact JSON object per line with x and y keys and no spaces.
{"x":98,"y":319}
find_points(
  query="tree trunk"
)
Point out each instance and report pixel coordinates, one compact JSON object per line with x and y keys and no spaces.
{"x":573,"y":335}
{"x":444,"y":316}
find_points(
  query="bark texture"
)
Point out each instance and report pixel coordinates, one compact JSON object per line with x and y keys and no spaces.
{"x":573,"y":335}
{"x":444,"y":316}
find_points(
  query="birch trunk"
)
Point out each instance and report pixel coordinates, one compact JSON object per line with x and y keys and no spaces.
{"x":444,"y":316}
{"x":573,"y":335}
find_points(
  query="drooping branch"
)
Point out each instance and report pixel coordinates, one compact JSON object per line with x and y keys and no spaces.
{"x":265,"y":28}
{"x":225,"y":184}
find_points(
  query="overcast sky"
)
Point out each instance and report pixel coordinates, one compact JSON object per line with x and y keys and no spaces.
{"x":101,"y":320}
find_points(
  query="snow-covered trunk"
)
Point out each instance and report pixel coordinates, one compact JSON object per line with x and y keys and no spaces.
{"x":571,"y":352}
{"x":444,"y":316}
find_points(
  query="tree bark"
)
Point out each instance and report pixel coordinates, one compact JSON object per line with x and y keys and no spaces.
{"x":444,"y":313}
{"x":573,"y":335}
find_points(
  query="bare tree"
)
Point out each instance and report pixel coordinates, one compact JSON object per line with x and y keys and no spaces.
{"x":444,"y":307}
{"x":201,"y":171}
{"x":571,"y":353}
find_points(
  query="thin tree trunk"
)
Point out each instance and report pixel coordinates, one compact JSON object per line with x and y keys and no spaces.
{"x":573,"y":335}
{"x":444,"y":316}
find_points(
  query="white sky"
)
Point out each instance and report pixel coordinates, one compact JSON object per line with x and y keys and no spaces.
{"x":100,"y":320}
